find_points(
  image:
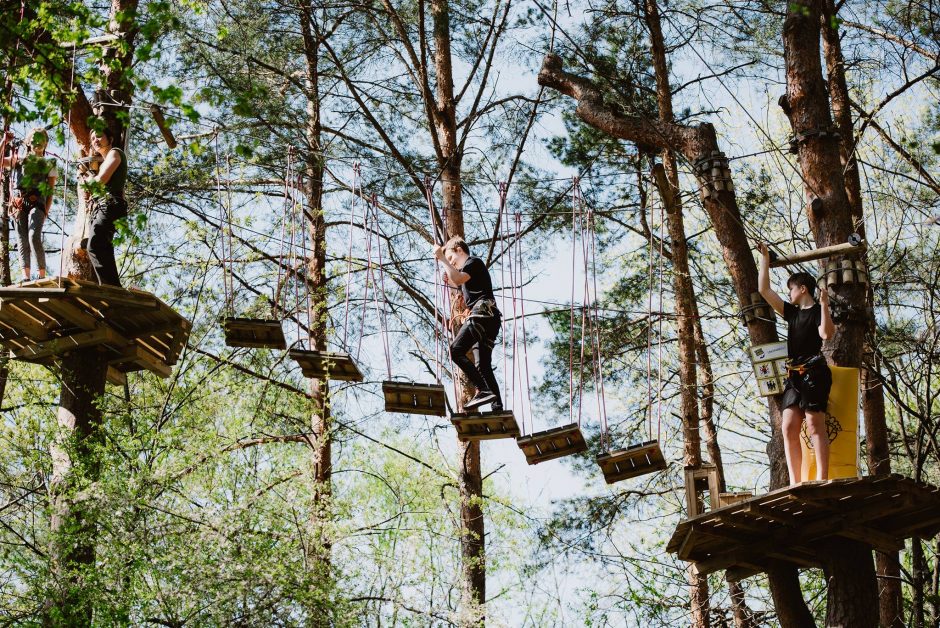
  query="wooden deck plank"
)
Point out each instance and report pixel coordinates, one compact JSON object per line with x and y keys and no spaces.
{"x":59,"y":346}
{"x":787,"y":524}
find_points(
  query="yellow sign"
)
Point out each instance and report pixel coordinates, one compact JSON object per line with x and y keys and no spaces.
{"x":842,"y":426}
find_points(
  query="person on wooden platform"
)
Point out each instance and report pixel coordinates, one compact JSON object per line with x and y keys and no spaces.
{"x":809,"y":380}
{"x":107,"y":205}
{"x":481,"y":328}
{"x":33,"y":183}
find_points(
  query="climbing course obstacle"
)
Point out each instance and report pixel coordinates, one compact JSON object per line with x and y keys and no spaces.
{"x":244,"y":331}
{"x":44,"y":319}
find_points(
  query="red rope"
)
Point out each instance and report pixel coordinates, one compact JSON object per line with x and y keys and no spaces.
{"x":525,"y":350}
{"x":383,"y":315}
{"x":356,"y":189}
{"x":574,"y":254}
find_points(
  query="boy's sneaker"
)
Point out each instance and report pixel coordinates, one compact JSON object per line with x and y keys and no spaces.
{"x":482,"y":398}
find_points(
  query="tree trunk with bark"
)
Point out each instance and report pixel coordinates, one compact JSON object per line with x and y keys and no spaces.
{"x":849,"y":566}
{"x":470,"y":481}
{"x":666,"y":177}
{"x":83,"y":372}
{"x":698,"y":145}
{"x":887,"y":565}
{"x":319,"y":549}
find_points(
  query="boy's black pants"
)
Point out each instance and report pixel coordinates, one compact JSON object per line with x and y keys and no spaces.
{"x":481,"y":330}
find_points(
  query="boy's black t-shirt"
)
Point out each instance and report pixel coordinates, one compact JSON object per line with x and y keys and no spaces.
{"x":803,"y":341}
{"x":479,"y":286}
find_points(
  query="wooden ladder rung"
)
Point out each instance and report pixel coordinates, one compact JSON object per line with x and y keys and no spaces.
{"x":484,"y":425}
{"x":632,"y":462}
{"x":554,"y":443}
{"x":413,"y":398}
{"x":326,"y":365}
{"x":254,"y":333}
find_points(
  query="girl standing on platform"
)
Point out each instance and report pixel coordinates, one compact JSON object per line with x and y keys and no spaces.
{"x":106,"y":206}
{"x":809,"y":380}
{"x":34,"y":180}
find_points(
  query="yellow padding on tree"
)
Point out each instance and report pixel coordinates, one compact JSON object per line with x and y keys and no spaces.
{"x":842,"y":424}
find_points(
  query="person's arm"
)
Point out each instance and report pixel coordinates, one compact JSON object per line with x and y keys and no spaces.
{"x":454,"y":277}
{"x":827,"y":328}
{"x":763,"y":280}
{"x":51,"y":180}
{"x":108,"y":167}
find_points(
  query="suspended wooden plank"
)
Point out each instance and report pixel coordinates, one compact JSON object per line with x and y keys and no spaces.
{"x":484,"y":425}
{"x":326,"y":365}
{"x":44,"y":319}
{"x":253,"y":332}
{"x":413,"y":398}
{"x":632,"y":462}
{"x":554,"y":443}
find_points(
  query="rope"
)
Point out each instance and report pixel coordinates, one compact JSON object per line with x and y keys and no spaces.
{"x":574,"y":249}
{"x":659,"y":381}
{"x":525,"y":350}
{"x":223,"y":220}
{"x":381,"y":286}
{"x":502,"y":278}
{"x":285,"y":206}
{"x":356,"y":185}
{"x":599,"y":385}
{"x":68,"y":156}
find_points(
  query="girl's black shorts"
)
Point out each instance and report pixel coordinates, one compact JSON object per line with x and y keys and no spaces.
{"x":809,"y":391}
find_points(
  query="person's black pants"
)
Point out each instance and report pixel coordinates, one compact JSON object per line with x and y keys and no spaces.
{"x":101,"y":243}
{"x":481,"y":331}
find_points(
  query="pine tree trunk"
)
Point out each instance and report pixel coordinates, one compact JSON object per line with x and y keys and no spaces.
{"x":887,"y":565}
{"x":74,"y":464}
{"x":849,"y":565}
{"x":695,"y":144}
{"x":84,"y":373}
{"x":470,"y":480}
{"x":319,"y":550}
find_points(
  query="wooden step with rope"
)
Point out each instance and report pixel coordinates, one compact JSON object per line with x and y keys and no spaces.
{"x":414,"y":398}
{"x":326,"y":365}
{"x":632,"y":462}
{"x":551,"y":444}
{"x":785,"y":525}
{"x":134,"y":330}
{"x":484,"y":425}
{"x":254,"y":333}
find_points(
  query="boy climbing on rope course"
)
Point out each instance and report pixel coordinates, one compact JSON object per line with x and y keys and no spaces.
{"x":809,"y":380}
{"x":32,"y":185}
{"x":481,"y":326}
{"x":104,"y":188}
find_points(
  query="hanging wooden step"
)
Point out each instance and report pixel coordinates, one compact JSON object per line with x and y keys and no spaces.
{"x":484,"y":425}
{"x":554,"y":443}
{"x":255,"y":333}
{"x":44,"y":319}
{"x":632,"y":462}
{"x":412,"y":398}
{"x":326,"y":365}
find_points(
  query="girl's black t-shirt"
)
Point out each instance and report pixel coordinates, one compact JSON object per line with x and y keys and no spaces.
{"x":479,"y":286}
{"x":803,"y":341}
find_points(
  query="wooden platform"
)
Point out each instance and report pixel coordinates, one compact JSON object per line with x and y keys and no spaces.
{"x":412,"y":398}
{"x":42,"y":320}
{"x":484,"y":425}
{"x":632,"y":462}
{"x":256,"y":333}
{"x":326,"y":365}
{"x":787,"y":524}
{"x":553,"y":443}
